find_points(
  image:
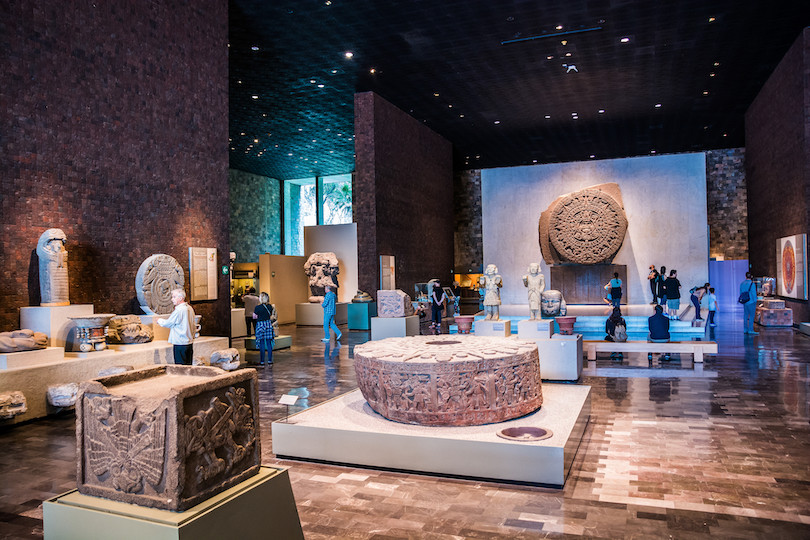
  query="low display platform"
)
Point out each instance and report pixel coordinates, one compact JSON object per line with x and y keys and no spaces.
{"x":535,"y":329}
{"x":386,"y":327}
{"x":310,"y":314}
{"x":54,"y":322}
{"x":281,"y":342}
{"x":346,"y":430}
{"x":560,"y":357}
{"x":260,"y":507}
{"x":360,"y":314}
{"x":23,"y":359}
{"x":492,"y":328}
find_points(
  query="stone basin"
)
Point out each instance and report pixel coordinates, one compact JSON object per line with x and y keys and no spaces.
{"x":458,"y":380}
{"x":92,"y":321}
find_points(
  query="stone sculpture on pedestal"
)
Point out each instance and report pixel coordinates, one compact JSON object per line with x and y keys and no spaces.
{"x":157,"y":277}
{"x":394,"y":304}
{"x":22,"y":340}
{"x":584,"y":227}
{"x":322,"y":269}
{"x":552,"y":304}
{"x":458,"y":381}
{"x":491,"y":282}
{"x":53,"y":271}
{"x":128,"y":329}
{"x":536,"y":283}
{"x":167,"y":436}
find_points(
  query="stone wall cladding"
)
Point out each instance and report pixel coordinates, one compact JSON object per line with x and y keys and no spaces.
{"x":114,"y":122}
{"x":403,"y":195}
{"x":468,"y":224}
{"x":777,"y":161}
{"x":255,"y":224}
{"x":727,"y":203}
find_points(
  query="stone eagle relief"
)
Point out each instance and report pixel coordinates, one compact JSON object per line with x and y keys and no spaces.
{"x":584,"y":227}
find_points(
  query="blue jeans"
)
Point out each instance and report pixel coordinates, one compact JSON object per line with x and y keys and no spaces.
{"x":265,"y":346}
{"x":329,"y":322}
{"x":748,"y":318}
{"x":696,"y":303}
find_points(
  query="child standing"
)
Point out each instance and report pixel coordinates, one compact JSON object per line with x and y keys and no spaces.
{"x":712,"y":305}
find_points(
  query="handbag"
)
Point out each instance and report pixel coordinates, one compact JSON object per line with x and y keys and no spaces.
{"x":745,"y":296}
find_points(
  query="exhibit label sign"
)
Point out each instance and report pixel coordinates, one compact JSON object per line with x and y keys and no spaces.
{"x":202,"y":263}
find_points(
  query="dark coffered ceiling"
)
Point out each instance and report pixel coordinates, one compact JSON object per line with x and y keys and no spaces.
{"x":496,"y":78}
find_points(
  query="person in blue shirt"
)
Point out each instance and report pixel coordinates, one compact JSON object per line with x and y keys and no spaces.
{"x":749,"y":307}
{"x":614,"y":286}
{"x":329,"y":307}
{"x":659,"y":326}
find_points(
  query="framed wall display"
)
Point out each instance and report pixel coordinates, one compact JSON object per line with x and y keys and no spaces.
{"x":791,"y":266}
{"x":202,"y":266}
{"x":387,"y":273}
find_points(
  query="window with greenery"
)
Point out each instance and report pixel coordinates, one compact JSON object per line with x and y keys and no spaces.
{"x":300,"y":207}
{"x":337,"y":199}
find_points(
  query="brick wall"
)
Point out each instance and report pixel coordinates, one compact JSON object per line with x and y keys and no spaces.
{"x":777,"y":161}
{"x":727,"y":203}
{"x":468,"y":239}
{"x":255,"y":221}
{"x":114,"y":128}
{"x":402,"y":196}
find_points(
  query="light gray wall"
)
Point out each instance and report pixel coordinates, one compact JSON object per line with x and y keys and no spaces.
{"x":664,"y":199}
{"x":342,"y":241}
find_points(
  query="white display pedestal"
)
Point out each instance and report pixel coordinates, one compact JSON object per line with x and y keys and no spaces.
{"x":493,"y":328}
{"x":536,"y":329}
{"x":386,"y":327}
{"x":560,"y":357}
{"x":53,"y":321}
{"x":161,"y":333}
{"x":238,"y":323}
{"x":310,"y":314}
{"x":260,"y":507}
{"x":346,"y":430}
{"x":13,"y":360}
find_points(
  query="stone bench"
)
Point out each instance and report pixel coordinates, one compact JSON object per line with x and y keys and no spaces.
{"x":696,"y":348}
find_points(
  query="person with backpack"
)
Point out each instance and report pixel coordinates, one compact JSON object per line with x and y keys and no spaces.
{"x":437,"y":299}
{"x":616,"y":327}
{"x":653,"y":279}
{"x":748,"y":298}
{"x":662,"y":287}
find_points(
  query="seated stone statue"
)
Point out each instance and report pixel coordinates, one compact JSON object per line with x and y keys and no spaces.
{"x":22,"y":340}
{"x":323,"y":270}
{"x":128,"y":329}
{"x":552,"y":304}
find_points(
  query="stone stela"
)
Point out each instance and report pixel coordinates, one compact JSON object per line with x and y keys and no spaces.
{"x":455,"y":380}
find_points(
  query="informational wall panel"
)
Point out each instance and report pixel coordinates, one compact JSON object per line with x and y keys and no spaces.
{"x":202,"y":266}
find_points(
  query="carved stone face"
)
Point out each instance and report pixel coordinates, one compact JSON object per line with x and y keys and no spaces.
{"x":534,"y":268}
{"x":491,"y":270}
{"x":550,"y":302}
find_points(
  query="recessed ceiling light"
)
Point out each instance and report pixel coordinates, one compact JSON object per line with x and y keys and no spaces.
{"x":534,"y":161}
{"x":601,"y":111}
{"x":625,"y":40}
{"x":592,"y":156}
{"x":436,"y":94}
{"x":712,"y":19}
{"x":657,"y":105}
{"x":652,"y":151}
{"x":255,"y":140}
{"x":372,"y":71}
{"x":497,"y":121}
{"x":254,"y":48}
{"x":289,"y":154}
{"x":243,"y":133}
{"x":238,"y":82}
{"x":348,"y":54}
{"x":548,"y":116}
{"x":573,"y":114}
{"x":559,"y":27}
{"x":320,"y":86}
{"x":549,"y":57}
{"x":254,"y":96}
{"x":711,"y":74}
{"x":328,"y":3}
{"x":461,"y":116}
{"x":716,"y":64}
{"x":725,"y":134}
{"x":300,"y":129}
{"x":313,"y":81}
{"x":564,"y":42}
{"x":478,"y":157}
{"x":568,"y":54}
{"x":334,"y":71}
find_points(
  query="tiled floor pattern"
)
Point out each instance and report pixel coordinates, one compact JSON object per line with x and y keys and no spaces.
{"x":673,"y":450}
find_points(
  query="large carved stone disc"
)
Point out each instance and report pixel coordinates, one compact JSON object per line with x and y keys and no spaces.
{"x":587,"y":227}
{"x":157,"y":276}
{"x":456,"y":380}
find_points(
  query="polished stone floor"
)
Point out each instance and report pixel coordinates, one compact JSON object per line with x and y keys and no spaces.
{"x":673,"y":450}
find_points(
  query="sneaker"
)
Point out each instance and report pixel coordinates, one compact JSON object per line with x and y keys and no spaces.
{"x":713,"y":324}
{"x":325,"y":340}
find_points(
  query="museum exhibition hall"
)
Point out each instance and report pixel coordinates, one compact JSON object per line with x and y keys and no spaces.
{"x":353,"y":269}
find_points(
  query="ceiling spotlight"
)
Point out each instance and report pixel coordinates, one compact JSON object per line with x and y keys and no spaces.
{"x":601,"y":111}
{"x":559,"y":27}
{"x":568,"y":54}
{"x":549,"y":57}
{"x":548,"y":116}
{"x":255,"y":140}
{"x":716,"y":64}
{"x":461,"y":116}
{"x":320,"y":86}
{"x":372,"y":71}
{"x":592,"y":156}
{"x":625,"y":40}
{"x":712,"y":19}
{"x":313,"y":81}
{"x":254,"y":96}
{"x":712,"y":74}
{"x":436,"y":94}
{"x":705,"y":92}
{"x":652,"y":151}
{"x":497,"y":122}
{"x":564,"y":42}
{"x":657,"y":105}
{"x":348,"y":54}
{"x":254,"y":48}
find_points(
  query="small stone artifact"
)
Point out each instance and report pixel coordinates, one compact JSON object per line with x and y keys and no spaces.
{"x":322,"y":269}
{"x":393,"y":304}
{"x":491,"y":282}
{"x":63,"y":395}
{"x":91,"y":331}
{"x":226,"y":359}
{"x":584,"y":227}
{"x":552,"y":304}
{"x":12,"y":404}
{"x":53,"y":270}
{"x":22,"y":340}
{"x":457,"y":380}
{"x":157,"y":277}
{"x":168,"y":436}
{"x":536,"y":283}
{"x":362,"y":297}
{"x":566,"y":325}
{"x":128,"y":329}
